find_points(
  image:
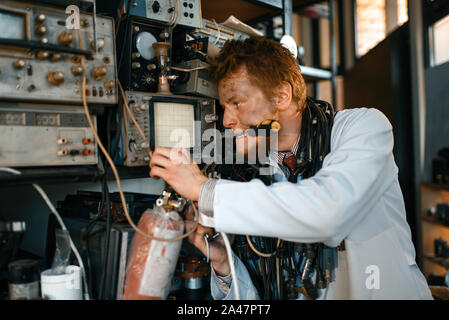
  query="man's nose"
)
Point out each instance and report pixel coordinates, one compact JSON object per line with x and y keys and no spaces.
{"x":229,"y":119}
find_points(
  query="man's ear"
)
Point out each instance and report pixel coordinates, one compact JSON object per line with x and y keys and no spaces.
{"x":283,"y":96}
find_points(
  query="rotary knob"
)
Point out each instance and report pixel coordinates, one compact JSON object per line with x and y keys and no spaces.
{"x":135,"y":55}
{"x":65,"y":38}
{"x":19,"y":64}
{"x":109,"y":84}
{"x":135,"y":65}
{"x":164,"y":35}
{"x":100,"y":44}
{"x":42,"y":55}
{"x":41,"y":18}
{"x":55,"y":78}
{"x":55,"y":57}
{"x":99,"y":72}
{"x":151,"y":67}
{"x":77,"y":70}
{"x":41,"y":30}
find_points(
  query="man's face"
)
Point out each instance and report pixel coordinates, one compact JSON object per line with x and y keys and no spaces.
{"x":245,"y":105}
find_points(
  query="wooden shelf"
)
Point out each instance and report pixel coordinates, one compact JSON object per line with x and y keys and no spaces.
{"x":433,"y":221}
{"x":435,"y":186}
{"x":43,"y":175}
{"x":440,"y":261}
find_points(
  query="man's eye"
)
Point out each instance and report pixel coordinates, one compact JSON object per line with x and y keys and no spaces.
{"x":238,"y":104}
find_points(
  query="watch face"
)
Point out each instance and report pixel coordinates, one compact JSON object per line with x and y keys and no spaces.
{"x":144,"y":45}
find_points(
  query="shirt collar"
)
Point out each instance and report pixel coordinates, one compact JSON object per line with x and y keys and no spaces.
{"x":279,"y":156}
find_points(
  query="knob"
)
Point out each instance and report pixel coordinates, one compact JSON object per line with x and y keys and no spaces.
{"x":77,"y":70}
{"x":164,"y":35}
{"x":135,"y":65}
{"x":135,"y":55}
{"x":99,"y":72}
{"x":136,"y":29}
{"x":100,"y":44}
{"x":151,"y":67}
{"x":40,"y":18}
{"x":143,"y":107}
{"x":55,"y":57}
{"x":65,"y":38}
{"x":42,"y":55}
{"x":55,"y":78}
{"x":156,"y":6}
{"x":19,"y":64}
{"x":109,"y":84}
{"x":43,"y":39}
{"x":41,"y":30}
{"x":209,"y":118}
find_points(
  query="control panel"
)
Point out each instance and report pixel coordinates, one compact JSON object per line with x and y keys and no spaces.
{"x":194,"y":82}
{"x":186,"y":13}
{"x":40,"y":55}
{"x":45,"y":135}
{"x":140,"y":69}
{"x":169,"y":121}
{"x":218,"y":34}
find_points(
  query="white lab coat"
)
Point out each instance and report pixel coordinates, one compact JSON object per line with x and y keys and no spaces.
{"x":355,"y":197}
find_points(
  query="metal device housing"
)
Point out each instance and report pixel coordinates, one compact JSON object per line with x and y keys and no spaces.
{"x":189,"y":11}
{"x":131,"y":154}
{"x":136,"y":72}
{"x":194,"y":82}
{"x":44,"y":63}
{"x":45,"y":135}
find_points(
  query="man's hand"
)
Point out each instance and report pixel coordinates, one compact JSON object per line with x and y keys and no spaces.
{"x":178,"y":169}
{"x":217,"y":251}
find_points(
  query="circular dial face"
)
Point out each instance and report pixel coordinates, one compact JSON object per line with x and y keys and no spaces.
{"x":144,"y":45}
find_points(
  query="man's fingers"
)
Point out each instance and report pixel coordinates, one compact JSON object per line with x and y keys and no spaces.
{"x":163,"y":151}
{"x":158,"y":172}
{"x":159,"y":161}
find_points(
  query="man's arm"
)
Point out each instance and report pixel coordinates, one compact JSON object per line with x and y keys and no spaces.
{"x":222,"y":288}
{"x":326,"y":207}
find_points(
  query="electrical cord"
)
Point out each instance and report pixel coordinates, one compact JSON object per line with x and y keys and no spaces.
{"x":261,"y":254}
{"x":61,"y":223}
{"x":231,"y":265}
{"x":190,"y":70}
{"x":108,"y":236}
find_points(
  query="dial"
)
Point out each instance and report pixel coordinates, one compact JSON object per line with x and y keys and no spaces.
{"x":144,"y":44}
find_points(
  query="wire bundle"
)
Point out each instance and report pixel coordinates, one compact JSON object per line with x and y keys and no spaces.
{"x":275,"y":265}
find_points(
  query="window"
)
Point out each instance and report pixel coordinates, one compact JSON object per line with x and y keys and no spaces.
{"x":439,"y":45}
{"x":375,"y":19}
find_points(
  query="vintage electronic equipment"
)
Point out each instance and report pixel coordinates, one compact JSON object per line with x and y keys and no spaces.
{"x":169,"y":121}
{"x":217,"y":33}
{"x":40,"y":55}
{"x":45,"y":135}
{"x":194,"y":79}
{"x":186,"y":48}
{"x":186,"y":13}
{"x":139,"y":67}
{"x":119,"y":248}
{"x":86,"y":204}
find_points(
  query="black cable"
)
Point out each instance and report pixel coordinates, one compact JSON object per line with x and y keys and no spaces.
{"x":108,"y":234}
{"x":87,"y":236}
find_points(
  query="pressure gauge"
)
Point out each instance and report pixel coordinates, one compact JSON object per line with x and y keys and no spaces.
{"x":144,"y":45}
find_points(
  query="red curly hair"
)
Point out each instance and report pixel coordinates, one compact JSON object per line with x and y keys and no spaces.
{"x":267,"y":62}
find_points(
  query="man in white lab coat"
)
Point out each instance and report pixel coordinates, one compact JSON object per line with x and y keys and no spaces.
{"x":354,"y":199}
